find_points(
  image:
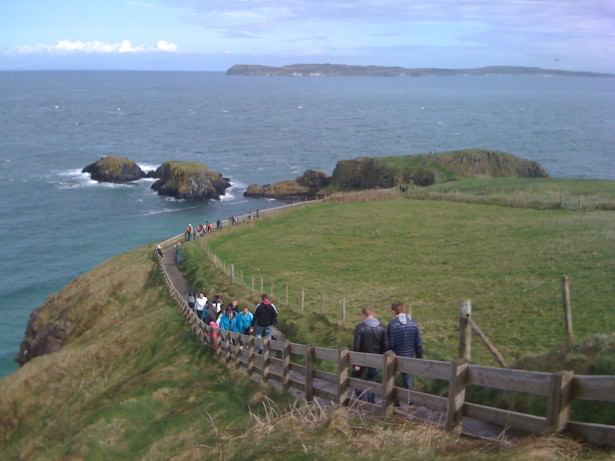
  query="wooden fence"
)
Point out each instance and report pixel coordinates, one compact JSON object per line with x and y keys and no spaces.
{"x":306,"y":370}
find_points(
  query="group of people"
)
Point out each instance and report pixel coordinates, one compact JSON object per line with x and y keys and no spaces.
{"x":191,"y":232}
{"x":233,"y":317}
{"x":402,"y":336}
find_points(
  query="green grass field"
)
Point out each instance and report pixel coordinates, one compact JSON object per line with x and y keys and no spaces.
{"x":431,"y":255}
{"x":538,"y":193}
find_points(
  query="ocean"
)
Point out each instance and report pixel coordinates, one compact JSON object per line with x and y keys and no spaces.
{"x":56,"y":223}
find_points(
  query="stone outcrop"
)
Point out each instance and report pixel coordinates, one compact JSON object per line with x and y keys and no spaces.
{"x":305,"y":186}
{"x":115,"y":170}
{"x":387,"y":172}
{"x":190,"y":180}
{"x":43,"y":337}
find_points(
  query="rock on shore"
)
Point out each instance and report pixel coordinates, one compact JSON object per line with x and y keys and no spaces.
{"x":191,"y":180}
{"x":115,"y":170}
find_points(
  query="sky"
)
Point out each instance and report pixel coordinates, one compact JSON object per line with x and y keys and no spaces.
{"x":215,"y":34}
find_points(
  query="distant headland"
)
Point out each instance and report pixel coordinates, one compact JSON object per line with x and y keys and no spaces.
{"x":343,"y":70}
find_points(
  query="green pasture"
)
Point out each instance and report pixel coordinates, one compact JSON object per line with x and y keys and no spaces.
{"x":431,"y":255}
{"x":537,"y":193}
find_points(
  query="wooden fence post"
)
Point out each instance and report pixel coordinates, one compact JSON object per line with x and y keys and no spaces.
{"x":567,"y":309}
{"x":456,"y":396}
{"x":302,"y":300}
{"x":262,"y":284}
{"x":309,"y":373}
{"x":286,"y":365}
{"x":237,"y":350}
{"x":343,"y":360}
{"x":487,"y":342}
{"x":388,"y":382}
{"x":229,"y":346}
{"x":232,"y":273}
{"x":560,"y":395}
{"x":250,"y":355}
{"x":344,"y":310}
{"x":253,"y":282}
{"x":241,"y":277}
{"x":465,"y":331}
{"x":286,"y":294}
{"x":266,"y":361}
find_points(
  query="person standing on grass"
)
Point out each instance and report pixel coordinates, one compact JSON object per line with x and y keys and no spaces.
{"x":265,"y":317}
{"x":369,"y":337}
{"x":404,"y":338}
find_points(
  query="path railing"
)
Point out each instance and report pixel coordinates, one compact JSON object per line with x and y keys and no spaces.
{"x":306,"y":370}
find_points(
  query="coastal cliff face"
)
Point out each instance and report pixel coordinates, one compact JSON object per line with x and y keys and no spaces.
{"x":115,"y":170}
{"x":386,"y":172}
{"x":189,"y":180}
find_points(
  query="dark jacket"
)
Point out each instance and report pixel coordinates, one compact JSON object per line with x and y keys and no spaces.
{"x":404,"y":337}
{"x":265,"y":314}
{"x":210,"y":314}
{"x":370,"y":336}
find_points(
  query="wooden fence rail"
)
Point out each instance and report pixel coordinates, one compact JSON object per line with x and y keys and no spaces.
{"x":272,"y":361}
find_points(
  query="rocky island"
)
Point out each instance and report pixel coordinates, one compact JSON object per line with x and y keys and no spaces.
{"x":115,"y":170}
{"x":192,"y":180}
{"x":386,"y":172}
{"x":343,"y":70}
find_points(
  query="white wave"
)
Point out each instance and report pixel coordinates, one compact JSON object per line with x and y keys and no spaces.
{"x":146,"y":180}
{"x":231,"y":192}
{"x":74,"y":178}
{"x":173,"y":199}
{"x":147,"y":166}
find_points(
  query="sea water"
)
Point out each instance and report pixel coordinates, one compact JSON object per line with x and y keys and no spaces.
{"x":56,"y":223}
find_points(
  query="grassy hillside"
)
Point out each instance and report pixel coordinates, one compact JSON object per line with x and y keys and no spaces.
{"x":540,"y":193}
{"x":134,"y":384}
{"x":431,"y":255}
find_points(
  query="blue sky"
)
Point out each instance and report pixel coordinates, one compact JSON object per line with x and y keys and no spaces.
{"x":215,"y":34}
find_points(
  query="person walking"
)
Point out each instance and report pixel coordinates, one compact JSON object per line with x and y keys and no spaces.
{"x":244,"y":320}
{"x":265,"y":317}
{"x":369,"y":337}
{"x":191,"y":299}
{"x":404,"y":337}
{"x":178,"y":254}
{"x":201,"y":301}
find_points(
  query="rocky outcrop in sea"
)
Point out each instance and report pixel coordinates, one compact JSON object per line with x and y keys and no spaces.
{"x":115,"y":170}
{"x":189,"y":180}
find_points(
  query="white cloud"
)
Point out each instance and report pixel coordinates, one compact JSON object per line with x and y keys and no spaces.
{"x":167,"y":47}
{"x":95,"y":47}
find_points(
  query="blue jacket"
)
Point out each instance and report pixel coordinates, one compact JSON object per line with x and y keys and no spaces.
{"x":405,"y":337}
{"x":227,"y":324}
{"x":244,"y":321}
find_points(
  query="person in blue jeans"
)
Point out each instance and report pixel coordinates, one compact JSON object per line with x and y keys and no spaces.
{"x":265,"y":316}
{"x":369,"y":337}
{"x":404,"y":338}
